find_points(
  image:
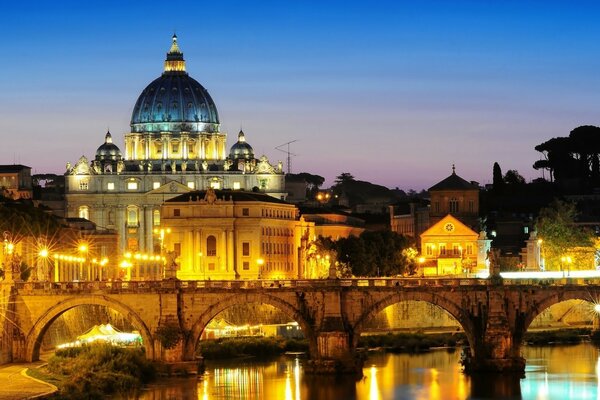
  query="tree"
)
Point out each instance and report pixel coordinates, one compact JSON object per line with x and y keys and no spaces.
{"x":313,"y":182}
{"x":513,"y":178}
{"x":564,"y":244}
{"x":498,"y":181}
{"x":376,"y":253}
{"x":343,"y":178}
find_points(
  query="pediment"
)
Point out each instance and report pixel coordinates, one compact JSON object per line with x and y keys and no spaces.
{"x":449,"y":226}
{"x":170,"y":188}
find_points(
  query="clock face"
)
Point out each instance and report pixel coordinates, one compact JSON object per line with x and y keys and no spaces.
{"x":449,"y":227}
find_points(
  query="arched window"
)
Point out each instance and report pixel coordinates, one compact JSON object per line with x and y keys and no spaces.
{"x":132,"y":216}
{"x":453,"y":205}
{"x":211,"y":246}
{"x":84,"y":212}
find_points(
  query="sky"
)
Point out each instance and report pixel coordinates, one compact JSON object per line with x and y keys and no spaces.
{"x":392,"y":92}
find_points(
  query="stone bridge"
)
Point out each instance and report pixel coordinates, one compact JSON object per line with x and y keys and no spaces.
{"x":331,"y":313}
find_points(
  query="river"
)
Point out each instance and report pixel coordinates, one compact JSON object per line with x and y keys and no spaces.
{"x":553,"y":372}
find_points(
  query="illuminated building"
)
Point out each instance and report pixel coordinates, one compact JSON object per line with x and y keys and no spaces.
{"x":455,"y":196}
{"x":449,"y":247}
{"x":232,"y":234}
{"x":175,"y":146}
{"x":15,"y":181}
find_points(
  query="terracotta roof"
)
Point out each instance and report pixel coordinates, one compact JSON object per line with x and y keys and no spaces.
{"x":454,"y":182}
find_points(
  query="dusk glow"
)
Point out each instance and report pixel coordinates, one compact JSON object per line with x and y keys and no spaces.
{"x":393,"y":93}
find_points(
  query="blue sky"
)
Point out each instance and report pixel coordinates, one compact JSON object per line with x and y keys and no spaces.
{"x":392,"y":92}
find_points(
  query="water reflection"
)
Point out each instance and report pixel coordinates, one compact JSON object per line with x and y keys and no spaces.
{"x":553,"y":372}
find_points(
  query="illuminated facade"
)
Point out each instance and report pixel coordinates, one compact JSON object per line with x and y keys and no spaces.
{"x":175,"y":146}
{"x":15,"y":181}
{"x":450,"y":247}
{"x":230,"y":234}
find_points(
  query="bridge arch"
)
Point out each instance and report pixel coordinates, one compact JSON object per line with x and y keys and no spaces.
{"x":557,"y":297}
{"x":39,"y":328}
{"x":232,"y":300}
{"x":445,"y":304}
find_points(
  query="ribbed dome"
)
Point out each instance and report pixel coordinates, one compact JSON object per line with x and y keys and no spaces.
{"x":241,"y":149}
{"x":108,"y":150}
{"x":174,"y":102}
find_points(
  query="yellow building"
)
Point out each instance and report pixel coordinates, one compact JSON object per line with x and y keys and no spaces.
{"x":449,"y":247}
{"x":231,"y":234}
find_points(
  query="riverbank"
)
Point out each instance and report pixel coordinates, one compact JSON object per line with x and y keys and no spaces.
{"x":93,"y":372}
{"x":16,"y":384}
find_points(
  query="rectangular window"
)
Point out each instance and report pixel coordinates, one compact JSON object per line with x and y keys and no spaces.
{"x":175,"y":148}
{"x":436,"y":206}
{"x":469,"y":249}
{"x":132,"y":185}
{"x":211,"y":266}
{"x":236,"y":186}
{"x":245,"y":265}
{"x":455,"y":249}
{"x":191,"y":185}
{"x":246,"y":249}
{"x":176,"y":212}
{"x":215,"y":185}
{"x":177,"y":248}
{"x":526,"y":230}
{"x":155,"y":185}
{"x":83,"y":185}
{"x":429,"y":250}
{"x":442,"y":249}
{"x":245,"y":212}
{"x":471,"y":206}
{"x":110,"y":186}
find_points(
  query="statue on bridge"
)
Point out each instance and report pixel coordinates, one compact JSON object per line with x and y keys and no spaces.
{"x":171,"y":265}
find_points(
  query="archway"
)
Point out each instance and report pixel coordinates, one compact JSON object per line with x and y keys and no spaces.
{"x":35,"y":335}
{"x":561,"y":310}
{"x":447,"y":306}
{"x":250,"y":298}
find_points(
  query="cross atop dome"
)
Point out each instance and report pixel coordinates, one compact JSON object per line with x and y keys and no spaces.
{"x":174,"y":61}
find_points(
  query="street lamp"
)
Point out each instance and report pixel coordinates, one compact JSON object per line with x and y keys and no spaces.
{"x":42,"y":273}
{"x":260,"y":262}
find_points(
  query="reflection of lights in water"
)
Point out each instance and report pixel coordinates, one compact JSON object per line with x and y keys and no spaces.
{"x":598,"y":378}
{"x":288,"y":385}
{"x":297,"y":377}
{"x":205,"y":388}
{"x":374,"y":387}
{"x":434,"y":385}
{"x":462,"y":386}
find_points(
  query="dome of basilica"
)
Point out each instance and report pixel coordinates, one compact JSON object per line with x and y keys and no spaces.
{"x":175,"y":102}
{"x":108,"y":150}
{"x":241,"y":149}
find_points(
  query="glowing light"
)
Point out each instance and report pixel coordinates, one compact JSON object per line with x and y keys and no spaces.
{"x":597,"y":308}
{"x":83,"y":248}
{"x":544,"y":274}
{"x":260,"y":261}
{"x":43,"y":253}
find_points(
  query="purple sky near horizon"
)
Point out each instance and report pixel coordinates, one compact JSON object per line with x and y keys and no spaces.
{"x":394,"y":93}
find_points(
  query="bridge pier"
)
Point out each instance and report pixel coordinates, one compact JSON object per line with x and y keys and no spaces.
{"x":494,"y":346}
{"x":335,"y":352}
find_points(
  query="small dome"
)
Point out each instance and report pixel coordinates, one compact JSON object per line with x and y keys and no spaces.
{"x":108,"y":150}
{"x":241,"y":149}
{"x":175,"y":101}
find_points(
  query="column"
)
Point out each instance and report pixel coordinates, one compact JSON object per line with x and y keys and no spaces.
{"x":148,"y":225}
{"x":231,"y":261}
{"x":121,"y":228}
{"x":148,"y":139}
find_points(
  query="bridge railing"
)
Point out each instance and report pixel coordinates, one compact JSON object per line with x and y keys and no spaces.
{"x":275,"y":284}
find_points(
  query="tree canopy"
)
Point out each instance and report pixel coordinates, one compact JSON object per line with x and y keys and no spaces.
{"x":564,"y":244}
{"x":373,"y":253}
{"x":576,"y":156}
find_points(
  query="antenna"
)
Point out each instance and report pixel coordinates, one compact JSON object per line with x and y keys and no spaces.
{"x":289,"y":154}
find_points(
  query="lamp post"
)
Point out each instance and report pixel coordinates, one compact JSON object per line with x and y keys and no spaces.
{"x":260,"y":262}
{"x":83,"y":250}
{"x":42,"y":268}
{"x":161,"y":233}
